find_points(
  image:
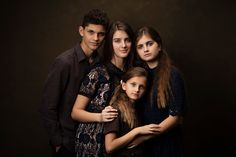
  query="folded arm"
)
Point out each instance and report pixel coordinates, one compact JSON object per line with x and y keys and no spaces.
{"x":112,"y":142}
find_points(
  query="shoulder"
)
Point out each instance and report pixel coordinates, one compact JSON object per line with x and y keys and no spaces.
{"x":67,"y":57}
{"x":177,"y":77}
{"x":176,"y":73}
{"x":99,"y":71}
{"x":98,"y":67}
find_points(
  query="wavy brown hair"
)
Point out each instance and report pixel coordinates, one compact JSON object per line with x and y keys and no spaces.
{"x":121,"y":101}
{"x":163,"y":71}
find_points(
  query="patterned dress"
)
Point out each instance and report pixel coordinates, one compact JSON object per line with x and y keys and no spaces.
{"x":89,"y":136}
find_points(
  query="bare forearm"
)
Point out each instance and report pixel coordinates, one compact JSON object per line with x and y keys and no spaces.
{"x":113,"y":143}
{"x":140,"y":139}
{"x":117,"y":143}
{"x":164,"y":126}
{"x":85,"y":116}
{"x":169,"y":123}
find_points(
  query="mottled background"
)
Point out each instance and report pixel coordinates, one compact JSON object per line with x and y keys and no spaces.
{"x":199,"y":36}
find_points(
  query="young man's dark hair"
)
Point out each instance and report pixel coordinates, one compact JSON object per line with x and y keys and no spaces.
{"x":63,"y":80}
{"x":96,"y":16}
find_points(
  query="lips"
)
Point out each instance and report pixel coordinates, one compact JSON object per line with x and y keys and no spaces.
{"x":135,"y":94}
{"x":147,"y":54}
{"x":94,"y":44}
{"x":124,"y":51}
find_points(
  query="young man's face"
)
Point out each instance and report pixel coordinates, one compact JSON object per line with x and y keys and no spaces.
{"x":92,"y":37}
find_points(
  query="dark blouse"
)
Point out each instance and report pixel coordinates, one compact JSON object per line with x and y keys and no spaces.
{"x":168,"y":144}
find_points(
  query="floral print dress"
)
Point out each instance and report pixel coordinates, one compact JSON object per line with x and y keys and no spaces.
{"x":89,"y":136}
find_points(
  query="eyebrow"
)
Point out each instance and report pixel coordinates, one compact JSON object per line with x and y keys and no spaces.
{"x":90,"y":29}
{"x":146,"y":42}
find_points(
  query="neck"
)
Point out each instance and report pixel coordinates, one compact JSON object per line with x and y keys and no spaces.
{"x":152,"y":64}
{"x":118,"y":62}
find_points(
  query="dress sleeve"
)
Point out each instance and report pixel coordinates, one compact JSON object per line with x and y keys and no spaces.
{"x":90,"y":83}
{"x":178,"y":95}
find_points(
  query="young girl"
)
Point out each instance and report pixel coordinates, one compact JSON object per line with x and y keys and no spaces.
{"x":120,"y":132}
{"x":96,"y":90}
{"x":164,"y":104}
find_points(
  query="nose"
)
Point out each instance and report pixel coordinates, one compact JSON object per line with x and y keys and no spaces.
{"x":136,"y":89}
{"x":124,"y":44}
{"x":95,"y":37}
{"x":145,"y":48}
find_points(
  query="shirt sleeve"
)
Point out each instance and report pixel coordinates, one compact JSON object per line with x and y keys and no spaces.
{"x":112,"y":126}
{"x":53,"y":90}
{"x":178,"y":95}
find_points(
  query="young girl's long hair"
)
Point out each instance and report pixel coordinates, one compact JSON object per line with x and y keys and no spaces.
{"x":108,"y":50}
{"x":121,"y":101}
{"x":164,"y":67}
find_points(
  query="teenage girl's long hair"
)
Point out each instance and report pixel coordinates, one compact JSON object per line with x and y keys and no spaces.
{"x":163,"y":70}
{"x":121,"y":101}
{"x":108,"y":50}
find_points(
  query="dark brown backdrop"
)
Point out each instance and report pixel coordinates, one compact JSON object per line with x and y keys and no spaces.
{"x":199,"y":36}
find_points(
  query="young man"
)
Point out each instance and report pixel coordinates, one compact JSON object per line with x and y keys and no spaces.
{"x":63,"y":82}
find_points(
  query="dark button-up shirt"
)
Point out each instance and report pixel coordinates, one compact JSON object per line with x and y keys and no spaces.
{"x":59,"y":94}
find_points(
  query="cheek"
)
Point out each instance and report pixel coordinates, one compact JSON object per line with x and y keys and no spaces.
{"x":115,"y":46}
{"x":140,"y":53}
{"x":101,"y":38}
{"x":86,"y":37}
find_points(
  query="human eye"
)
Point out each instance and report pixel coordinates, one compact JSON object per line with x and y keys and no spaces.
{"x":133,"y":84}
{"x":101,"y":34}
{"x":139,"y":47}
{"x":91,"y":32}
{"x":150,"y":43}
{"x":127,"y":40}
{"x":142,"y":87}
{"x":116,"y":40}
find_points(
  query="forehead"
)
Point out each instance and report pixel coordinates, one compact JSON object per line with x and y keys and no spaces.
{"x":95,"y":27}
{"x":143,"y":39}
{"x":120,"y":34}
{"x":138,"y":79}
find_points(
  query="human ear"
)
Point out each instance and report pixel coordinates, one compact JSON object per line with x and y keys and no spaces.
{"x":81,"y":31}
{"x":123,"y":85}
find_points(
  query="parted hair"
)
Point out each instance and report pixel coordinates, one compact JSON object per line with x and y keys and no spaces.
{"x":108,"y":51}
{"x":163,"y":70}
{"x":121,"y":101}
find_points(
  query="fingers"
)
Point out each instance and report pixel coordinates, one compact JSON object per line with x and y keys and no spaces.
{"x":150,"y":129}
{"x":110,"y":109}
{"x":109,"y":114}
{"x":154,"y":128}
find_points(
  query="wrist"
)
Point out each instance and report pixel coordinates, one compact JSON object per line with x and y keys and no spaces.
{"x":137,"y":131}
{"x":100,"y":117}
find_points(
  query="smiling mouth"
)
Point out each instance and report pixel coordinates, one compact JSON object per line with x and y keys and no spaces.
{"x":124,"y":51}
